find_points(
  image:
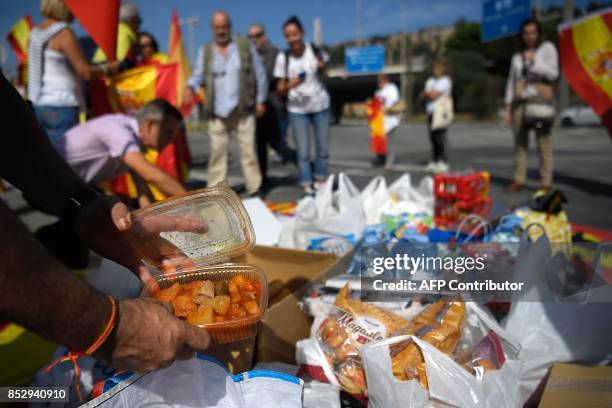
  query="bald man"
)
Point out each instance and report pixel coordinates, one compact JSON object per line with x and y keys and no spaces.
{"x":236,"y":88}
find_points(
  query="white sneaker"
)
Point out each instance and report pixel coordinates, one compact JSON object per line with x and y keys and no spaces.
{"x":431,"y":166}
{"x":441,"y":167}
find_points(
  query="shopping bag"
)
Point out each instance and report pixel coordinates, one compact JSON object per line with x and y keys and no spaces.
{"x":373,"y":198}
{"x":448,"y":382}
{"x":331,"y":221}
{"x":405,"y":199}
{"x":203,"y":382}
{"x":556,"y":226}
{"x":552,"y":331}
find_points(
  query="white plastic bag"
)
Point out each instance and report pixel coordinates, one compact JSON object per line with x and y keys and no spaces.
{"x":548,"y":331}
{"x":330,"y":221}
{"x":405,"y":199}
{"x":203,"y":382}
{"x":373,"y":197}
{"x":321,"y":395}
{"x":448,"y":382}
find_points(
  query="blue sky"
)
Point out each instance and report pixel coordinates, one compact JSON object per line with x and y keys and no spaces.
{"x":338,"y":16}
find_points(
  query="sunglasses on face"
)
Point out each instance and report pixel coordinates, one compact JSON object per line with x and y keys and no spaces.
{"x":256,"y":35}
{"x":146,"y":45}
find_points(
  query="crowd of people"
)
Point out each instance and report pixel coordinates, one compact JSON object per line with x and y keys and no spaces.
{"x":258,"y":92}
{"x":253,"y":90}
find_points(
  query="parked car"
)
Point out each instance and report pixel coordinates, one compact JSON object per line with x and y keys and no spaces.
{"x":579,"y":115}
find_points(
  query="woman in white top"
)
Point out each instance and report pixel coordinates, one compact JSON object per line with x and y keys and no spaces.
{"x":533,"y":71}
{"x":307,"y":101}
{"x":437,"y":86}
{"x":56,"y":69}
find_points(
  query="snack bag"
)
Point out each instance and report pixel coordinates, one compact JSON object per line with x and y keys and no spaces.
{"x":455,"y":358}
{"x":350,"y":324}
{"x":439,"y":324}
{"x":487,"y":355}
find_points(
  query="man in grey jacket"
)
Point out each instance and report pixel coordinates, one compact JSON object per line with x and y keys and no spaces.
{"x":271,"y":127}
{"x":234,"y":80}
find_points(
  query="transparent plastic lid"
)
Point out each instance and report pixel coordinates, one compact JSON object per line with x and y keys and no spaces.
{"x":172,"y":235}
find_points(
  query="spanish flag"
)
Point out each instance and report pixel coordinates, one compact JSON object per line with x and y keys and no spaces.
{"x":585,"y":47}
{"x":378,"y":140}
{"x":18,"y":39}
{"x":177,"y":55}
{"x":140,"y":85}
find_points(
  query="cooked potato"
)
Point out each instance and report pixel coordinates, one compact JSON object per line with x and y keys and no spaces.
{"x":252,"y":307}
{"x":220,"y":304}
{"x":202,"y":315}
{"x":183,"y":305}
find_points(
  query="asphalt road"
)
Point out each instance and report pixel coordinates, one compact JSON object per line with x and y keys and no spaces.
{"x":583,"y":166}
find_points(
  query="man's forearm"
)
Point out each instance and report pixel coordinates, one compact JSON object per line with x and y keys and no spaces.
{"x":166,"y":184}
{"x":42,"y":295}
{"x":41,"y":173}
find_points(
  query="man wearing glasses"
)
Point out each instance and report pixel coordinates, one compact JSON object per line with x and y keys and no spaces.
{"x":269,"y":129}
{"x":234,"y":81}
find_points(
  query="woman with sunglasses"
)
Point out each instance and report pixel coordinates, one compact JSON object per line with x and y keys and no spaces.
{"x":298,"y":71}
{"x":149,"y":50}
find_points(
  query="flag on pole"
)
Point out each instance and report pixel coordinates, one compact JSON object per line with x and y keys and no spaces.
{"x":100,"y":19}
{"x":18,"y":39}
{"x":585,"y":47}
{"x":378,"y":140}
{"x":177,"y":54}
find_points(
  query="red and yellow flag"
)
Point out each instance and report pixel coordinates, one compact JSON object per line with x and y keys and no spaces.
{"x":378,"y":140}
{"x":140,"y":85}
{"x":18,"y":39}
{"x":177,"y":54}
{"x":585,"y":48}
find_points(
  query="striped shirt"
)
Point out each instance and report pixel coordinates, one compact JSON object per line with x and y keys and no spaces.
{"x":52,"y":79}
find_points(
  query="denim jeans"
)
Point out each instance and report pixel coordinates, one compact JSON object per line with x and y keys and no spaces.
{"x":300,"y":126}
{"x":56,"y":120}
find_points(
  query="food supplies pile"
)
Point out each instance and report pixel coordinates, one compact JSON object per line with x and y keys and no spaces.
{"x":423,"y":351}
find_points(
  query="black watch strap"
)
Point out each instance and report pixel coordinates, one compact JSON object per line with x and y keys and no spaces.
{"x":79,"y":199}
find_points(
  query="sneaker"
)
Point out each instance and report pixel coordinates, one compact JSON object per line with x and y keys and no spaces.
{"x":318,"y":184}
{"x":441,"y":167}
{"x":308,"y":191}
{"x":431,"y":166}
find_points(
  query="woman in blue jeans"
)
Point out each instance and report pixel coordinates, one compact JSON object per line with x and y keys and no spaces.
{"x":298,"y":72}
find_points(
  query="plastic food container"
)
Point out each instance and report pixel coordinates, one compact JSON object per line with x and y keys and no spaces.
{"x":169,"y":238}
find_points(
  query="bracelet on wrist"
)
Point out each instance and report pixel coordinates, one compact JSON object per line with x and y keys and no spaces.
{"x":108,"y":329}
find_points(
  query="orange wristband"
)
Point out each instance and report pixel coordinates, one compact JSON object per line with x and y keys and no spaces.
{"x":107,"y":330}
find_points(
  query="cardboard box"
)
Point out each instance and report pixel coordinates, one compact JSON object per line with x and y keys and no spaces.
{"x":571,"y":385}
{"x":290,"y":273}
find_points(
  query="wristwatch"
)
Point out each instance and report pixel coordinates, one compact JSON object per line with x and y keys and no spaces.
{"x":74,"y":204}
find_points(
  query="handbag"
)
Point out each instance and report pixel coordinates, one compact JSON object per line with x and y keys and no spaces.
{"x":443,"y":113}
{"x":537,"y":97}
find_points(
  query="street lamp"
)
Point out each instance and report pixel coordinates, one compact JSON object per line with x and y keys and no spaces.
{"x":191,"y":22}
